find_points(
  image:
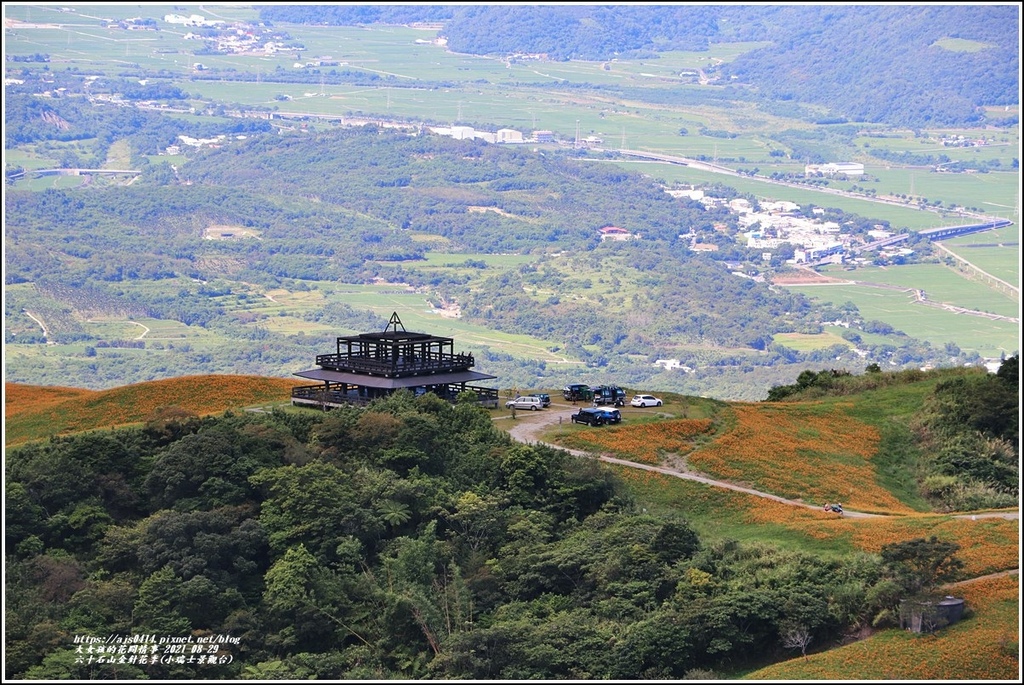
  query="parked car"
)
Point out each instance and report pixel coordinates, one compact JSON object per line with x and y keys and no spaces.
{"x":610,"y":415}
{"x":577,"y":391}
{"x":545,"y":398}
{"x":610,"y":394}
{"x":529,"y":402}
{"x":645,"y":401}
{"x":592,"y":416}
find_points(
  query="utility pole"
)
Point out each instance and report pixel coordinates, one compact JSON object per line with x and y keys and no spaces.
{"x":577,"y":133}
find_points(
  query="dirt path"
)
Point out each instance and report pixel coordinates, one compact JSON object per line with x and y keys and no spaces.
{"x":531,"y":425}
{"x":42,"y":325}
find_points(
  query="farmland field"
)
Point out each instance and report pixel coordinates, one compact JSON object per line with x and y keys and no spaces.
{"x":939,"y":285}
{"x":296,"y":224}
{"x":987,"y":337}
{"x":991,"y":253}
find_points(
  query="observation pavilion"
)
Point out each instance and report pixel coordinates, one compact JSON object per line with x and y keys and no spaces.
{"x":371,"y":365}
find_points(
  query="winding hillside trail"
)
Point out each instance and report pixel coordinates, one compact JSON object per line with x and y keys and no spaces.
{"x":531,"y":425}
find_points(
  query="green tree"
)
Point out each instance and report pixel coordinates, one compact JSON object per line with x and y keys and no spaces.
{"x":156,"y":607}
{"x":921,"y":564}
{"x":310,"y":605}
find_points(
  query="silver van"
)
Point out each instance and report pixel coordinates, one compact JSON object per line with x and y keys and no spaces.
{"x":531,"y":403}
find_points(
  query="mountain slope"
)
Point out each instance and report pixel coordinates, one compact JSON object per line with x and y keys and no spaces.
{"x":419,"y":535}
{"x":36,"y":412}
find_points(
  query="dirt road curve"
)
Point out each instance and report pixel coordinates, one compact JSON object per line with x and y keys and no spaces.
{"x":531,"y":425}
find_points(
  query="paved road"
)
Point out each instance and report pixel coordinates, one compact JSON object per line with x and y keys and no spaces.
{"x":531,"y":425}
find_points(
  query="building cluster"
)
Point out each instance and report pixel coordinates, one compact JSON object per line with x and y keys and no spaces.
{"x":780,"y":222}
{"x":192,"y":20}
{"x":234,"y":39}
{"x":502,"y":135}
{"x":962,"y":141}
{"x":771,"y":224}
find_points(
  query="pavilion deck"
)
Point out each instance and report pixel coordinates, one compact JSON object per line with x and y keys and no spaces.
{"x":319,"y":396}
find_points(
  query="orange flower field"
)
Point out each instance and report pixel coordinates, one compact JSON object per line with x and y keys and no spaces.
{"x":799,"y":451}
{"x":982,"y":646}
{"x":22,"y":399}
{"x":986,"y":545}
{"x":986,"y":593}
{"x":646,"y":443}
{"x":39,"y":412}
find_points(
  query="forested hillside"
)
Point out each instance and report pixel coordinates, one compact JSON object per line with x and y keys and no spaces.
{"x":413,"y":539}
{"x":906,"y":65}
{"x":888,"y":63}
{"x":354,"y":206}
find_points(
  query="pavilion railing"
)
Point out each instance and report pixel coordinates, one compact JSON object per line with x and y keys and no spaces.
{"x":396,"y":366}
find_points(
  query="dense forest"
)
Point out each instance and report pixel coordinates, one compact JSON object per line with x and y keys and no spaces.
{"x":409,"y":539}
{"x":873,"y":63}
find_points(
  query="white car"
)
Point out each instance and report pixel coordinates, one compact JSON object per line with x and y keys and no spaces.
{"x":645,"y":401}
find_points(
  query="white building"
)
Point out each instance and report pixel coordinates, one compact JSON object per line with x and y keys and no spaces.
{"x":192,"y":20}
{"x":689,"y":194}
{"x":779,"y":207}
{"x":835,"y":168}
{"x":669,"y":364}
{"x":740,"y":205}
{"x":508,"y":135}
